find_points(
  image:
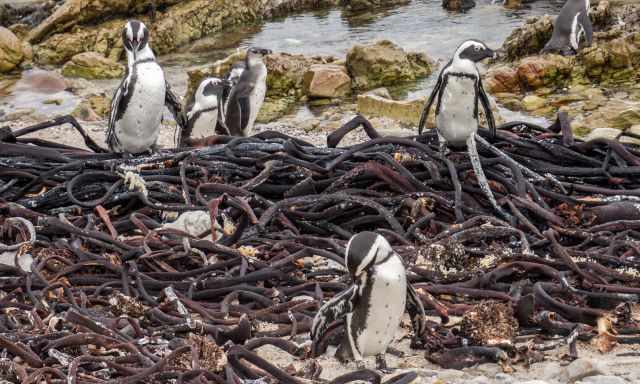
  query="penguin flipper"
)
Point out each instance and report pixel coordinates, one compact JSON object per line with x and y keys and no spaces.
{"x":425,"y":112}
{"x":416,"y":312}
{"x":116,"y":112}
{"x":333,"y":310}
{"x":484,"y":99}
{"x":172,"y":102}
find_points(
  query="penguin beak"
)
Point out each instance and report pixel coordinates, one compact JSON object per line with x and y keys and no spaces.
{"x":135,"y":44}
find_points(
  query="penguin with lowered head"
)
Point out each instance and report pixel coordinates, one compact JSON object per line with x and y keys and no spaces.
{"x":205,"y":114}
{"x":139,"y":101}
{"x":373,"y":305}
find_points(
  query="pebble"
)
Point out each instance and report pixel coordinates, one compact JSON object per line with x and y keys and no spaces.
{"x":504,"y":378}
{"x":479,"y":380}
{"x":448,"y":375}
{"x":582,"y":368}
{"x":602,"y":379}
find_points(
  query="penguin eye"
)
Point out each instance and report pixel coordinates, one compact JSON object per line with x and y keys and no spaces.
{"x":476,"y":48}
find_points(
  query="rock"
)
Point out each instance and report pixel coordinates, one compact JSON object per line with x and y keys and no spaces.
{"x":195,"y":223}
{"x":540,"y":71}
{"x":533,"y":382}
{"x":512,"y":4}
{"x":84,"y":112}
{"x":458,"y":5}
{"x":384,"y":63}
{"x":178,"y":25}
{"x":532,"y":102}
{"x":100,"y":104}
{"x":502,"y":79}
{"x":530,"y":38}
{"x":361,"y":5}
{"x":286,"y":73}
{"x":611,"y":60}
{"x":603,"y":133}
{"x":11,"y":53}
{"x":41,"y":81}
{"x":74,"y":12}
{"x":407,"y":112}
{"x":92,"y":65}
{"x":582,"y":368}
{"x":451,"y":375}
{"x":274,"y":108}
{"x":602,"y":379}
{"x":601,"y":16}
{"x":479,"y":380}
{"x":327,"y":80}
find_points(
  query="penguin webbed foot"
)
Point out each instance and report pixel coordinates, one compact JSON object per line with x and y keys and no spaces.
{"x":381,"y":364}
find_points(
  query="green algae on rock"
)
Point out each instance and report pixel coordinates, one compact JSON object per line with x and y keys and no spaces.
{"x":92,"y":65}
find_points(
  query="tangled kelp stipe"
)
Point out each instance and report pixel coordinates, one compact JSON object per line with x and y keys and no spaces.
{"x":102,"y":289}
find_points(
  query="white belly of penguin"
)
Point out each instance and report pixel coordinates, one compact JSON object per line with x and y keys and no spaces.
{"x":205,"y":124}
{"x":456,"y":120}
{"x":386,"y":307}
{"x":256,"y":99}
{"x":139,"y":127}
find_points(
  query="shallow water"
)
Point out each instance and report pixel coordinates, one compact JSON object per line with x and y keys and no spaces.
{"x":422,"y":25}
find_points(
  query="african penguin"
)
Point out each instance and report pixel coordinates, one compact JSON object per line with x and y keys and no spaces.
{"x":246,"y":97}
{"x":138,"y":103}
{"x":374,"y":304}
{"x":458,"y":91}
{"x":205,"y":115}
{"x":569,"y":28}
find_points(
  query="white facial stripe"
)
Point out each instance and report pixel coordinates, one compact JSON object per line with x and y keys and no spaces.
{"x":129,"y":31}
{"x":370,"y":255}
{"x":346,"y":253}
{"x":141,"y":32}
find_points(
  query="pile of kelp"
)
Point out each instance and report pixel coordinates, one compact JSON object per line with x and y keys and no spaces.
{"x":96,"y":287}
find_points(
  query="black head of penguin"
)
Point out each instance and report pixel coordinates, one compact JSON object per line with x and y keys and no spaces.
{"x":135,"y":36}
{"x":475,"y":51}
{"x":364,"y":250}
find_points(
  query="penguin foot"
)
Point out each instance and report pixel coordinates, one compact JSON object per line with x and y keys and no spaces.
{"x":381,"y":364}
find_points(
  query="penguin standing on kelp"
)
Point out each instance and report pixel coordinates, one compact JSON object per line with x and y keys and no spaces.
{"x":373,"y":306}
{"x":571,"y":25}
{"x":139,"y":101}
{"x":457,"y":94}
{"x":247,"y":95}
{"x":205,"y":115}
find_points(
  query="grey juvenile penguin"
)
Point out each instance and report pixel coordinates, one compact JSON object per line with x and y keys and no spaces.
{"x":138,"y":103}
{"x":246,"y":97}
{"x":373,"y":306}
{"x":571,"y":25}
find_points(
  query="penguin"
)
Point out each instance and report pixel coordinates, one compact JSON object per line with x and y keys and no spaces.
{"x":458,"y":92}
{"x":246,"y":97}
{"x":571,"y":25}
{"x":205,"y":115}
{"x":373,"y":305}
{"x":138,"y":103}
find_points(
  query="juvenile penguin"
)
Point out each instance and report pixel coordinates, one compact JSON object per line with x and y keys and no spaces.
{"x":138,"y":103}
{"x":458,"y":91}
{"x":205,"y":115}
{"x":247,"y":96}
{"x":571,"y":25}
{"x":373,"y":306}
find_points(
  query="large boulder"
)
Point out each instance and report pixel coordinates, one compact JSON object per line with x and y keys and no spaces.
{"x":11,"y":52}
{"x":384,"y":63}
{"x":407,"y":111}
{"x":179,"y":24}
{"x":502,"y":79}
{"x":92,"y":65}
{"x":528,"y":39}
{"x":78,"y":12}
{"x":327,"y":81}
{"x":543,"y":71}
